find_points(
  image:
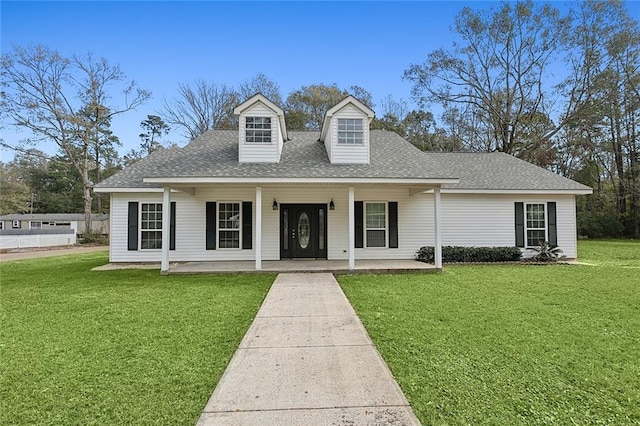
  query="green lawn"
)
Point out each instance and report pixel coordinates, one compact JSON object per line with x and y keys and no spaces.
{"x":510,"y":345}
{"x":121,"y":347}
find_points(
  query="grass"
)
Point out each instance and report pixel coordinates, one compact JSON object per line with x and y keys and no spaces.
{"x":120,"y":347}
{"x":513,"y":344}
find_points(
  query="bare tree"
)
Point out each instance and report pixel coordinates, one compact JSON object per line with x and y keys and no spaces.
{"x":201,"y":106}
{"x":307,"y":106}
{"x":64,"y":101}
{"x":495,"y":74}
{"x":260,"y":83}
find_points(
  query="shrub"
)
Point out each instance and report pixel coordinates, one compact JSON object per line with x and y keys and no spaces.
{"x":94,"y":238}
{"x":470,"y":254}
{"x":547,"y":253}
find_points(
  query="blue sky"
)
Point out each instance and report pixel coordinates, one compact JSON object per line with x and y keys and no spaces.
{"x":160,"y":44}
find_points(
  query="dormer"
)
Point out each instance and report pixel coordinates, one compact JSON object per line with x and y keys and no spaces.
{"x":345,"y":132}
{"x":261,"y":130}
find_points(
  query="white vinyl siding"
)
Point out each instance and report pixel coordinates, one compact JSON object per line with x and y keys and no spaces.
{"x":35,"y":224}
{"x":263,"y":150}
{"x":467,"y":220}
{"x":190,"y":226}
{"x":348,"y":153}
{"x":485,"y":220}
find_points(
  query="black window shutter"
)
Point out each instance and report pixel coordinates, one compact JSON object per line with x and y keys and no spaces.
{"x":132,"y":228}
{"x":172,"y":227}
{"x":359,"y":228}
{"x":247,"y":221}
{"x":519,"y":224}
{"x":393,"y":224}
{"x":211,"y":221}
{"x":552,"y":227}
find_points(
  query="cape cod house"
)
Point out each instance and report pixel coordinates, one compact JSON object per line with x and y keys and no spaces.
{"x":345,"y":193}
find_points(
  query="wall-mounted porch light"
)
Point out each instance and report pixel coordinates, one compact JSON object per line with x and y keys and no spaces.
{"x":332,"y":205}
{"x":274,"y":206}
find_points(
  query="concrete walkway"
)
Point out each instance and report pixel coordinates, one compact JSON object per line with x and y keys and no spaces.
{"x":307,"y":360}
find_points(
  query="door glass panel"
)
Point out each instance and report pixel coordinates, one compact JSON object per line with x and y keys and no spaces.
{"x":321,"y":233}
{"x":303,"y":230}
{"x":285,"y":229}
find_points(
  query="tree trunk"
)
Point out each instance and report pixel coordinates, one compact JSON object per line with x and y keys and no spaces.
{"x":86,"y":193}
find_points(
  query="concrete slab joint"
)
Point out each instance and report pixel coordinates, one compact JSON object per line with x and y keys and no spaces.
{"x":307,"y":359}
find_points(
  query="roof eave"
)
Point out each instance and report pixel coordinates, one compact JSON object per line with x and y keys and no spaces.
{"x":187,"y":180}
{"x":517,"y":191}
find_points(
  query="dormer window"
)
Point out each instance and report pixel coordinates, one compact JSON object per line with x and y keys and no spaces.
{"x":258,"y":129}
{"x":350,"y":131}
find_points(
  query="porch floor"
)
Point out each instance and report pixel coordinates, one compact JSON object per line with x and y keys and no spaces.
{"x":303,"y":265}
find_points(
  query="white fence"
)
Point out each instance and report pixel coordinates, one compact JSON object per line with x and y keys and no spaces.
{"x":11,"y":239}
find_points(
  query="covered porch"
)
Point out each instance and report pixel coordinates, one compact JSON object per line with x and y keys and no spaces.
{"x":348,"y":253}
{"x":389,"y":266}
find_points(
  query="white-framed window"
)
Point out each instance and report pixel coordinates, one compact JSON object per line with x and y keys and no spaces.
{"x":229,"y":220}
{"x":35,"y":224}
{"x":1,"y":225}
{"x":15,"y":224}
{"x":535,"y":224}
{"x":150,"y":226}
{"x":258,"y":129}
{"x":375,"y":223}
{"x":350,"y":131}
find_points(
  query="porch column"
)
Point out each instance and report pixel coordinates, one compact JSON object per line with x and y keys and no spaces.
{"x":437,"y":228}
{"x":166,"y":225}
{"x":258,"y":228}
{"x":352,"y":229}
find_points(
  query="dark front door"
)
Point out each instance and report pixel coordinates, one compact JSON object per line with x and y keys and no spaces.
{"x":303,"y":231}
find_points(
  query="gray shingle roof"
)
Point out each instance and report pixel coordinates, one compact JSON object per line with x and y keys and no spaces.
{"x":215,"y":154}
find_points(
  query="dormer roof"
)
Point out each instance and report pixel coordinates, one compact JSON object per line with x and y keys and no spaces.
{"x":349,"y":100}
{"x":259,"y":97}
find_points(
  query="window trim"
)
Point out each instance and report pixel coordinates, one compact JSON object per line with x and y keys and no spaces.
{"x":31,"y":222}
{"x":1,"y":225}
{"x":361,"y":132}
{"x":246,"y":129}
{"x":219,"y":229}
{"x":365,"y":228}
{"x":545,"y":214}
{"x":140,"y":230}
{"x":15,"y":224}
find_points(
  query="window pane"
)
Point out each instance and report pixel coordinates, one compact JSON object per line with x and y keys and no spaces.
{"x":229,"y":216}
{"x":375,"y":217}
{"x":229,"y":225}
{"x":376,"y":238}
{"x":151,"y":225}
{"x":258,"y":129}
{"x":535,"y":216}
{"x":151,"y":240}
{"x":350,"y":131}
{"x":535,"y":237}
{"x":229,"y":239}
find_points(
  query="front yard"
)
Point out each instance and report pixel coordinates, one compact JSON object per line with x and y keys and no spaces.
{"x":513,"y":344}
{"x":473,"y":345}
{"x":121,"y":347}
